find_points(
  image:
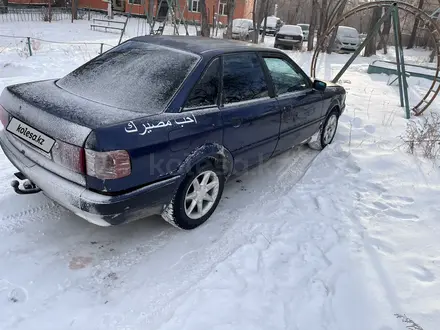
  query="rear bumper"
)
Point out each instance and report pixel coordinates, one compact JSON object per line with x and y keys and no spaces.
{"x":288,"y":43}
{"x":101,"y":210}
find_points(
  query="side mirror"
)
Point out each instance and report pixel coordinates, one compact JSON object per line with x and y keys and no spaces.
{"x":319,"y":85}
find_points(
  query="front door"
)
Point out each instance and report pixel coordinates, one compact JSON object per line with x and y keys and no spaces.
{"x":251,"y":117}
{"x":118,"y":5}
{"x":301,"y":106}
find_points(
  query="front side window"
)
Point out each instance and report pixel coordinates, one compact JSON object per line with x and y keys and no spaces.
{"x":243,"y":78}
{"x":205,"y":92}
{"x":286,"y":79}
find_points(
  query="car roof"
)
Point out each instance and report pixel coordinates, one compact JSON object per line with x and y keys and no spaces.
{"x":242,"y":19}
{"x":201,"y":45}
{"x":347,"y":27}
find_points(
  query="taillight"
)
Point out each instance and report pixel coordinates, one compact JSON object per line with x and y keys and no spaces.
{"x":108,"y":165}
{"x":69,"y":156}
{"x":4,"y":117}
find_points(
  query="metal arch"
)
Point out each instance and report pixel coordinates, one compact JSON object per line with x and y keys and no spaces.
{"x":432,"y":26}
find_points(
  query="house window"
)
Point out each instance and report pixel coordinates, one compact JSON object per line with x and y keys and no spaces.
{"x":223,"y":10}
{"x":195,"y":6}
{"x":134,"y":2}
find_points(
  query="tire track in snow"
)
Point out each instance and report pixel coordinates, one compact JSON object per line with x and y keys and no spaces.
{"x":29,"y":211}
{"x":160,"y":269}
{"x":231,"y":231}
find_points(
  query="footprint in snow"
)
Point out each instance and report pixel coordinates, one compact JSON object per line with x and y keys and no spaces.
{"x":381,"y":245}
{"x":401,"y":215}
{"x":15,"y":294}
{"x":370,"y":129}
{"x":423,"y":274}
{"x":79,"y":262}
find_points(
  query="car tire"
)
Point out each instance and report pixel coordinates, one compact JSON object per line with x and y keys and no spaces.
{"x":180,"y":212}
{"x":326,"y":133}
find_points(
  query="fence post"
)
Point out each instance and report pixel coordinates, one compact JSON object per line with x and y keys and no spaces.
{"x":29,"y":45}
{"x":102,"y":45}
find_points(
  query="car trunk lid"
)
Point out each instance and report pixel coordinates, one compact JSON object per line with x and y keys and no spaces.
{"x":58,"y":113}
{"x":50,"y":126}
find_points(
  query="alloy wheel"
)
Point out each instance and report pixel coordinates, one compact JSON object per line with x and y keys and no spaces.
{"x":201,"y":194}
{"x":330,"y":129}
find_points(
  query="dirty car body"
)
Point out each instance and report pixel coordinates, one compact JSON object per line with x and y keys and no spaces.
{"x":113,"y":140}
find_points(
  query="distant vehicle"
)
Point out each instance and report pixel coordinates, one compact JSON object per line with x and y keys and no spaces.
{"x":273,"y":25}
{"x":242,"y":29}
{"x":187,"y":113}
{"x":347,"y":39}
{"x":289,"y":36}
{"x":305,"y":28}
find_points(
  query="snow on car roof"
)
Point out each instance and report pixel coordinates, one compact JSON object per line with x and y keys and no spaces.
{"x":241,"y":21}
{"x":199,"y":45}
{"x":348,"y":31}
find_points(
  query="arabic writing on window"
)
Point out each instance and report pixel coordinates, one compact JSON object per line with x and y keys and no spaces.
{"x":243,"y":78}
{"x":205,"y":92}
{"x":284,"y":76}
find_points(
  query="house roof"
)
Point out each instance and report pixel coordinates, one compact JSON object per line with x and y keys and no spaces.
{"x":200,"y":45}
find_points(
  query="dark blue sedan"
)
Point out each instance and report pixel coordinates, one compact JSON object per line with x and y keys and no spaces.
{"x":158,"y":124}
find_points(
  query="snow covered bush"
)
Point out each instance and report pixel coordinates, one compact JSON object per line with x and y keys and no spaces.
{"x":423,"y":136}
{"x":410,"y":324}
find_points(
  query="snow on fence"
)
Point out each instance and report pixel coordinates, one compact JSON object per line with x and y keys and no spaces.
{"x":30,"y":46}
{"x":43,"y":14}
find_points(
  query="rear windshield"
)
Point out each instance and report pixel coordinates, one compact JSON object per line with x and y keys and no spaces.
{"x":135,"y":76}
{"x":271,"y":21}
{"x":292,"y":29}
{"x":345,"y":31}
{"x":241,"y":23}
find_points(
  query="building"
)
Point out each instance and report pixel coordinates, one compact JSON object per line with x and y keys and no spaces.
{"x":189,"y":8}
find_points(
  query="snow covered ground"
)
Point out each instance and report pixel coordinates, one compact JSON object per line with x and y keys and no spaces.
{"x":344,"y":239}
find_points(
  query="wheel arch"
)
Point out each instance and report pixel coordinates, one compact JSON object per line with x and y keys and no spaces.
{"x":334,"y":105}
{"x":210,"y":152}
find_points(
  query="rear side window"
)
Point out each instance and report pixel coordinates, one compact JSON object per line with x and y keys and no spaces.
{"x":243,"y":78}
{"x":135,"y":76}
{"x":205,"y":92}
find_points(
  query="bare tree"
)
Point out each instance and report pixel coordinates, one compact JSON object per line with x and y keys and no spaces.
{"x":257,"y":14}
{"x":370,"y":48}
{"x":323,"y":17}
{"x":312,"y":28}
{"x":340,"y":6}
{"x":266,"y":13}
{"x":412,"y":39}
{"x":230,"y":6}
{"x":151,"y":10}
{"x":204,"y":16}
{"x":385,"y":35}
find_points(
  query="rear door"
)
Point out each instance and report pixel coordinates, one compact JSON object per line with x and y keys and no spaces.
{"x":250,"y":113}
{"x":300,"y":105}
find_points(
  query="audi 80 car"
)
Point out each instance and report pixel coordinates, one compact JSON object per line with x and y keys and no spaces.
{"x":158,"y":124}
